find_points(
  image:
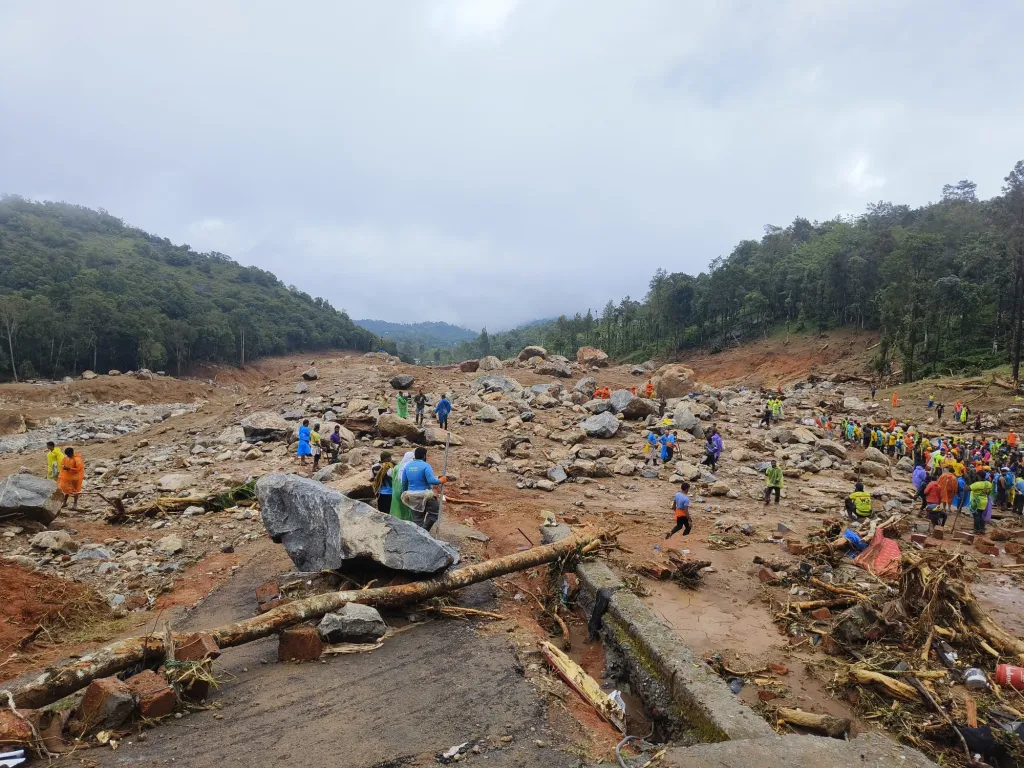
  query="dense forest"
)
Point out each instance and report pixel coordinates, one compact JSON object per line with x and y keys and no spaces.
{"x":81,"y":289}
{"x":943,"y":283}
{"x":413,"y":338}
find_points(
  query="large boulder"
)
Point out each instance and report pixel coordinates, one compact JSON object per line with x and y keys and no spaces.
{"x":875,"y":455}
{"x":489,"y":363}
{"x":602,"y":425}
{"x":488,"y":413}
{"x":674,"y":380}
{"x":310,"y":374}
{"x":598,"y":406}
{"x":554,"y":368}
{"x":854,"y":404}
{"x":874,"y":469}
{"x":402,"y":381}
{"x":31,"y":497}
{"x":905,"y":464}
{"x":470,"y":366}
{"x":804,"y":435}
{"x":586,"y":387}
{"x":832,"y":448}
{"x":322,"y":530}
{"x":591,"y":356}
{"x":174,"y":483}
{"x":265,"y":425}
{"x":352,"y":623}
{"x":435,"y":436}
{"x":532,"y":351}
{"x":684,"y":419}
{"x":496,"y":383}
{"x":393,"y":425}
{"x":632,"y":407}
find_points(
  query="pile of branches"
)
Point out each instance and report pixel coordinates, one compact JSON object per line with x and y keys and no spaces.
{"x":900,"y":651}
{"x":240,"y":496}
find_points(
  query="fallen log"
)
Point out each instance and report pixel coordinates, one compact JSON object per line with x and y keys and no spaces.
{"x":998,"y":637}
{"x":807,"y":605}
{"x":895,"y":688}
{"x":836,"y":590}
{"x":836,"y":727}
{"x":37,"y":689}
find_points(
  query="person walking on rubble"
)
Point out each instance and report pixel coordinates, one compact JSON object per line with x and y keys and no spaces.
{"x":419,"y":481}
{"x":774,"y":482}
{"x":72,"y":473}
{"x":681,"y":506}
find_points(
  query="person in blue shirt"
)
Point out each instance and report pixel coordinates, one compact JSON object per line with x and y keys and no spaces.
{"x":305,"y":435}
{"x":419,"y":480}
{"x":669,"y":449}
{"x":442,"y":409}
{"x":681,"y":506}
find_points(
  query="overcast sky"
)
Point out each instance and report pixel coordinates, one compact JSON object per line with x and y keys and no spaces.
{"x":488,"y":162}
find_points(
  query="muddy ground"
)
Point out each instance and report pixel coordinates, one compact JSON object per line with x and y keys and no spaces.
{"x":442,"y":683}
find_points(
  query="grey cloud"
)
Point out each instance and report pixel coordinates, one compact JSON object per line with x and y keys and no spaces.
{"x":490,"y":161}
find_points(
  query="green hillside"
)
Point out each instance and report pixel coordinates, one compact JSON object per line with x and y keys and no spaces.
{"x":426,"y":335}
{"x":81,"y":289}
{"x":944,"y":283}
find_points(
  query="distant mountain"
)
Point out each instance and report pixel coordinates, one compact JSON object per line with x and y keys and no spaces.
{"x":426,"y":335}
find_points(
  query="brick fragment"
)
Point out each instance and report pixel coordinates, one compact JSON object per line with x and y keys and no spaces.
{"x":107,"y":704}
{"x":156,"y":696}
{"x":196,"y":647}
{"x":821,"y":614}
{"x":15,"y":733}
{"x":300,"y":643}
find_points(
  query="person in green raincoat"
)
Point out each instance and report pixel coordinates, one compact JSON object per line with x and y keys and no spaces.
{"x":403,"y":405}
{"x":398,"y":509}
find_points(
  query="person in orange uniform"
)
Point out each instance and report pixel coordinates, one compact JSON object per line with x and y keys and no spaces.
{"x":72,"y":472}
{"x":649,"y":389}
{"x":948,"y":487}
{"x":1011,"y":439}
{"x":895,"y":399}
{"x":602,"y":394}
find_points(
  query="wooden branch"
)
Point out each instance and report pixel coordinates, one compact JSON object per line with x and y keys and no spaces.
{"x":998,"y":637}
{"x":37,"y":689}
{"x":807,"y":605}
{"x":896,"y":688}
{"x":836,"y":590}
{"x":836,"y":727}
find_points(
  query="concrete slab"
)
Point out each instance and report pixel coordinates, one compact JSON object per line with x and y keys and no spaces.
{"x":865,"y":751}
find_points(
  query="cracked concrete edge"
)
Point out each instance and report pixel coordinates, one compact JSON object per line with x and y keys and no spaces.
{"x":702,"y":699}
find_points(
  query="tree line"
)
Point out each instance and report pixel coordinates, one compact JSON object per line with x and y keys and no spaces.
{"x":80,"y":289}
{"x":943,"y":283}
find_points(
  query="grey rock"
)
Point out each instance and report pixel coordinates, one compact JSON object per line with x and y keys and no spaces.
{"x":311,"y":374}
{"x":854,"y":404}
{"x":470,"y":366}
{"x":352,"y":623}
{"x":392,"y":425}
{"x":402,"y":381}
{"x":905,"y":464}
{"x":638,"y":370}
{"x":88,"y":375}
{"x":488,"y":413}
{"x":875,"y":455}
{"x":265,"y":426}
{"x":684,"y":419}
{"x":175,"y":482}
{"x":489,"y":363}
{"x":54,"y":541}
{"x":31,"y":497}
{"x":649,"y":472}
{"x":874,"y":469}
{"x":554,"y":368}
{"x":633,"y":407}
{"x":832,"y":448}
{"x":497,"y":383}
{"x":586,"y":387}
{"x":169,"y":545}
{"x":603,"y":425}
{"x":557,"y":474}
{"x":92,"y":552}
{"x":546,"y":485}
{"x":598,"y":406}
{"x":301,"y":388}
{"x":531,"y":351}
{"x":293,"y":415}
{"x":22,"y":560}
{"x":321,"y":529}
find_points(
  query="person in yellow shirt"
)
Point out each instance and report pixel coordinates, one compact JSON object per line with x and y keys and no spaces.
{"x":54,"y":456}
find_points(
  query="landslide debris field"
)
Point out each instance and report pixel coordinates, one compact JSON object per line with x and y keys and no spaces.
{"x":169,"y":534}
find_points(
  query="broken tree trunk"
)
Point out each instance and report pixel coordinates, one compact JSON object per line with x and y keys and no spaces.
{"x":895,"y":688}
{"x":836,"y":727}
{"x":37,"y":689}
{"x":989,"y":629}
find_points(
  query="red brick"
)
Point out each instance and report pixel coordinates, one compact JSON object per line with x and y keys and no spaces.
{"x":985,"y":563}
{"x":983,"y":540}
{"x":196,"y":647}
{"x":155,"y":694}
{"x":267,"y":592}
{"x":821,"y":614}
{"x":272,"y":604}
{"x":962,"y":536}
{"x":108,"y":702}
{"x":764,"y":695}
{"x":15,"y":733}
{"x":300,"y":643}
{"x":1013,"y":547}
{"x":987,"y":549}
{"x":939,"y":532}
{"x":918,"y":538}
{"x":930,"y":544}
{"x":779,"y":669}
{"x":767,"y":575}
{"x":795,"y":547}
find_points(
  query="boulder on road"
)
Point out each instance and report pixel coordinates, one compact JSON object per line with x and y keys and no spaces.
{"x":905,"y":464}
{"x":719,"y":488}
{"x":854,"y":404}
{"x":489,"y":363}
{"x":310,"y":374}
{"x":598,"y":406}
{"x":88,"y":375}
{"x":674,"y":381}
{"x":31,"y":497}
{"x":557,"y":474}
{"x":469,"y":366}
{"x":402,"y":381}
{"x":392,"y":425}
{"x":684,"y":419}
{"x":301,"y":388}
{"x":688,"y":471}
{"x":632,"y":407}
{"x":804,"y":435}
{"x":322,"y":530}
{"x":532,"y":351}
{"x":488,"y":413}
{"x":592,"y":356}
{"x":174,"y":483}
{"x":496,"y":383}
{"x":603,"y":425}
{"x":435,"y":436}
{"x":352,"y":623}
{"x":265,"y":426}
{"x":54,"y":541}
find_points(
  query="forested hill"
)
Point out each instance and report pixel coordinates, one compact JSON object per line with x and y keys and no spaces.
{"x":81,"y":289}
{"x":423,"y":334}
{"x":944,"y":283}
